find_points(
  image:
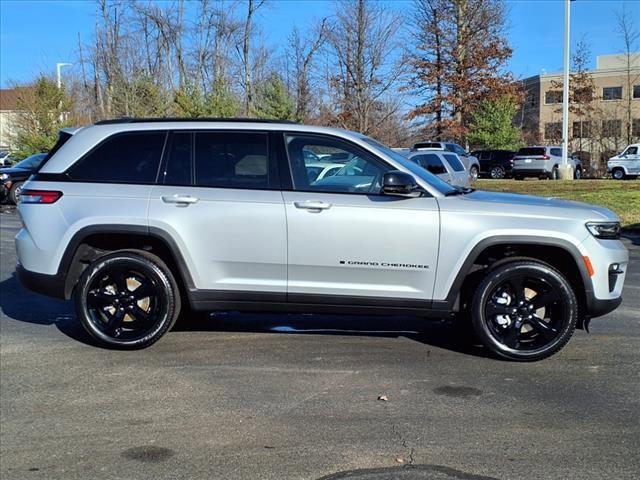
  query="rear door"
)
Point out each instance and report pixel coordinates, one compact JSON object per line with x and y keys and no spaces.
{"x":348,"y":243}
{"x":219,"y":200}
{"x":459,"y":175}
{"x":433,"y":163}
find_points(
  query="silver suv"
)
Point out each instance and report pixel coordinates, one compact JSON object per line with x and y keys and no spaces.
{"x":542,"y":162}
{"x":140,"y":219}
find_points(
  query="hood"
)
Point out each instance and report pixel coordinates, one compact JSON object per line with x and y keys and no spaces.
{"x":531,"y":204}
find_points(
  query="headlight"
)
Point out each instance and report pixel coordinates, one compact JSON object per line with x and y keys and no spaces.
{"x":4,"y":176}
{"x":605,"y":230}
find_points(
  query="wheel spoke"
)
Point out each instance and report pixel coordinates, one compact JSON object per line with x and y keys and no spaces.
{"x":100,"y":298}
{"x":493,"y":309}
{"x":140,"y":315}
{"x":517,"y":284}
{"x":120,"y":279}
{"x":544,"y":299}
{"x":115,"y":321}
{"x":146,"y":289}
{"x":512,"y":336}
{"x":543,"y":327}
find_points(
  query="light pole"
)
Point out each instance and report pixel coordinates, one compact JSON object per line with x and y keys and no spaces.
{"x":566,"y":171}
{"x":58,"y":74}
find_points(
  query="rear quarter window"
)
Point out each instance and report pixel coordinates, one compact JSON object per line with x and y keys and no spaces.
{"x":123,"y":158}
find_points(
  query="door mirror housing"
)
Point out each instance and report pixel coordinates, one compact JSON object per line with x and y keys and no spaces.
{"x":400,"y":184}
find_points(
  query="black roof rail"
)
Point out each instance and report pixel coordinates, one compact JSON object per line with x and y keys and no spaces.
{"x":115,"y":121}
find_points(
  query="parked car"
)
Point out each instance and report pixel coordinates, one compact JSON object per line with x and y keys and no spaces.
{"x":13,"y":178}
{"x":225,"y":218}
{"x":495,"y":164}
{"x":471,"y":163}
{"x":443,"y":164}
{"x":542,"y":162}
{"x":5,"y":158}
{"x":319,"y":170}
{"x":626,"y":164}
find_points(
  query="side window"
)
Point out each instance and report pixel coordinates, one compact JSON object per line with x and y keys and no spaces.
{"x":632,"y":151}
{"x":355,"y":171}
{"x":123,"y":158}
{"x":231,"y":160}
{"x":459,"y":150}
{"x":450,"y":147}
{"x":432,"y":163}
{"x":556,"y":152}
{"x":179,"y":167}
{"x":455,"y":162}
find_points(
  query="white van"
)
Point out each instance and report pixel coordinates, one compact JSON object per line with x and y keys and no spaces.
{"x":625,"y":164}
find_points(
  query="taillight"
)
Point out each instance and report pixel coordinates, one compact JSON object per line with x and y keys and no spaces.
{"x":545,"y":157}
{"x":39,"y":196}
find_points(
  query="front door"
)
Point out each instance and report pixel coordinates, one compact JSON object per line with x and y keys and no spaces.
{"x":346,"y":239}
{"x":220,"y":202}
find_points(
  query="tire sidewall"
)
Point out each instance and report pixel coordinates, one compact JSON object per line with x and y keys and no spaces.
{"x":161,"y":275}
{"x":15,"y":192}
{"x":500,"y":175}
{"x":618,"y":174}
{"x":493,"y":278}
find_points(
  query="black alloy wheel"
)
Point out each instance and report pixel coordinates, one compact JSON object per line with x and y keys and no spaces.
{"x":127,"y":299}
{"x":524,"y":310}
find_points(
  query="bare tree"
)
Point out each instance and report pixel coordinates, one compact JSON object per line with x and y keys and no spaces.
{"x":247,"y":85}
{"x":630,"y":36}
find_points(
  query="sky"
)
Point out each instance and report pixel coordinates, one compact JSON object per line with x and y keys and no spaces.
{"x":36,"y":34}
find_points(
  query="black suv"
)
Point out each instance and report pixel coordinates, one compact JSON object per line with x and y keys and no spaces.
{"x":495,"y":163}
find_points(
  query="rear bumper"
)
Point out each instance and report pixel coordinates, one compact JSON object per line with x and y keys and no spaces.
{"x":49,"y":285}
{"x":534,"y":172}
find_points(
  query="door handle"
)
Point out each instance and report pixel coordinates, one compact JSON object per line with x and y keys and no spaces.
{"x":312,"y":205}
{"x":180,"y":200}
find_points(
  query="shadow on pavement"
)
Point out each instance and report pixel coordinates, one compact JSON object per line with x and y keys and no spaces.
{"x":20,"y":304}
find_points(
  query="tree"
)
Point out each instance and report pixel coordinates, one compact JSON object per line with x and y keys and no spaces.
{"x":247,"y":83}
{"x":273,"y":100}
{"x":44,"y":111}
{"x":458,"y":62}
{"x":630,"y":36}
{"x":364,"y":44}
{"x":492,"y":125}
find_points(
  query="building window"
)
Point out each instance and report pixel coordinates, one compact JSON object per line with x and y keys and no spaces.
{"x":635,"y":127}
{"x":612,"y":93}
{"x":581,"y":129}
{"x":553,"y":131}
{"x":611,"y":128}
{"x":636,"y":91}
{"x":553,"y":96}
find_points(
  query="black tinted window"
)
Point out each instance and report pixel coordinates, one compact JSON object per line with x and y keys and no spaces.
{"x":455,"y":163}
{"x":612,"y":93}
{"x":531,"y":151}
{"x":556,"y":152}
{"x":231,"y":160}
{"x":431,"y":162}
{"x":178,"y":169}
{"x":123,"y":158}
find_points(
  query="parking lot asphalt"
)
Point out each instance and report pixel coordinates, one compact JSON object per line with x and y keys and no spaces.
{"x":265,"y":396}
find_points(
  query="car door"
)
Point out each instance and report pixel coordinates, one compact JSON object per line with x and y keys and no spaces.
{"x":631,"y":160}
{"x":219,"y":200}
{"x":432,"y":162}
{"x":459,"y":175}
{"x":348,"y":243}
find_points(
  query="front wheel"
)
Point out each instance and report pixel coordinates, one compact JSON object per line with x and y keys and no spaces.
{"x":127,"y":299}
{"x":618,"y":174}
{"x":554,"y":174}
{"x":577,"y":174}
{"x":524,"y":310}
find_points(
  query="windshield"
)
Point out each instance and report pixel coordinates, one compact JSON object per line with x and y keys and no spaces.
{"x":440,"y":185}
{"x":32,"y":162}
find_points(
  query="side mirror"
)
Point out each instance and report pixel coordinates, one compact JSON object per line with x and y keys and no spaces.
{"x":400,"y":184}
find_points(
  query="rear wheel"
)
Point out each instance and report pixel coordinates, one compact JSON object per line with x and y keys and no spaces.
{"x":618,"y":174}
{"x":554,"y":174}
{"x":497,"y":172}
{"x":14,"y":193}
{"x":127,"y":299}
{"x":577,"y":174}
{"x":524,"y":310}
{"x":473,"y":172}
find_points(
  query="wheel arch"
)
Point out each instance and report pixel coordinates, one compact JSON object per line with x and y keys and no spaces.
{"x":94,"y":241}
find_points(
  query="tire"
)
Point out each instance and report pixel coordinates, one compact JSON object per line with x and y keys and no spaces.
{"x":497,"y":172}
{"x":473,"y":172}
{"x":554,"y":174}
{"x":14,"y":193}
{"x":577,"y":174}
{"x":531,"y":330}
{"x":618,"y":174}
{"x":111,"y":311}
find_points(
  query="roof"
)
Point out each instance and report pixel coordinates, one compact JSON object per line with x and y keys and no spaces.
{"x":9,"y":98}
{"x":116,"y":121}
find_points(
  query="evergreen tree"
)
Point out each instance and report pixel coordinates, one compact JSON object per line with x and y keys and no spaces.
{"x":273,"y":100}
{"x":492,"y":125}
